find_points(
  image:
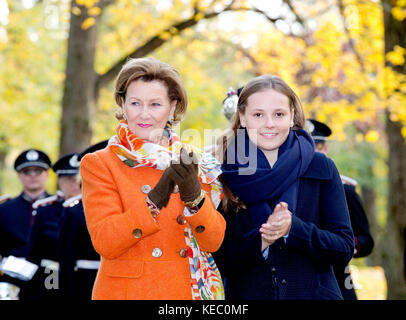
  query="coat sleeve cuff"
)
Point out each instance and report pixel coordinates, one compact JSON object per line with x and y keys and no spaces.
{"x":208,"y":226}
{"x":141,"y":222}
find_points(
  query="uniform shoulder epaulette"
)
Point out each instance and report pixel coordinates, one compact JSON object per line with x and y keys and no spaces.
{"x":4,"y":198}
{"x":45,"y":201}
{"x":349,"y":181}
{"x":71,"y":202}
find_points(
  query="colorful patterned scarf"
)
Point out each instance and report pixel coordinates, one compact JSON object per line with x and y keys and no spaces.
{"x":206,"y":281}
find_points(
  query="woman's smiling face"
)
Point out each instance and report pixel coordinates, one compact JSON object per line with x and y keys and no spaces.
{"x":147,"y":108}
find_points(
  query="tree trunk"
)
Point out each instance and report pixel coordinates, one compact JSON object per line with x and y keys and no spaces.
{"x":78,"y":102}
{"x":393,"y":241}
{"x":395,"y":34}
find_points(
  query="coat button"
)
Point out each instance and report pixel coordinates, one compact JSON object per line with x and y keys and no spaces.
{"x":181,"y":219}
{"x":183,"y":252}
{"x":175,"y":189}
{"x":137,"y":233}
{"x":146,"y":188}
{"x":156,"y":253}
{"x":200,"y":229}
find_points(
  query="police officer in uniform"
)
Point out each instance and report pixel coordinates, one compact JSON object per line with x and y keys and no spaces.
{"x":17,"y":214}
{"x":43,"y":243}
{"x":79,"y":261}
{"x":364,"y":242}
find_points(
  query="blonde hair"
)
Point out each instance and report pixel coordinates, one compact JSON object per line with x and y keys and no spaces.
{"x":261,"y":83}
{"x":149,"y":69}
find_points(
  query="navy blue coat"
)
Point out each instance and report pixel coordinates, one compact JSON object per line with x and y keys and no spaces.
{"x":43,"y":244}
{"x":15,"y":226}
{"x":302,"y":268}
{"x":75,"y":244}
{"x":16,"y":223}
{"x":45,"y":232}
{"x":364,"y":242}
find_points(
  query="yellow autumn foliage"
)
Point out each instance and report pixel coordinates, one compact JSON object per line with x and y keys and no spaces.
{"x":76,"y":11}
{"x":94,"y":11}
{"x":399,"y":13}
{"x":87,"y":23}
{"x":87,"y":3}
{"x":372,"y":136}
{"x":403,"y":131}
{"x":397,"y":56}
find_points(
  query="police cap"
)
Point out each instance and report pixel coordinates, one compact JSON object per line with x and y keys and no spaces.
{"x":318,"y":130}
{"x":68,"y":165}
{"x":32,"y":158}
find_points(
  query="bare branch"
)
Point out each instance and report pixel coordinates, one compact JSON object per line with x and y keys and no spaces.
{"x":256,"y":66}
{"x":298,"y":17}
{"x":157,"y":41}
{"x":318,"y":14}
{"x":350,"y":40}
{"x":149,"y":46}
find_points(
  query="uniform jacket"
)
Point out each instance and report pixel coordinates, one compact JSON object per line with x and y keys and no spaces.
{"x":302,"y":268}
{"x":16,"y":221}
{"x":150,"y":266}
{"x":44,"y":235}
{"x":364,"y":242}
{"x":42,"y":245}
{"x":75,"y":244}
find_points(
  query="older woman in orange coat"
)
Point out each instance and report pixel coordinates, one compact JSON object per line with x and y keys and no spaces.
{"x":150,"y":200}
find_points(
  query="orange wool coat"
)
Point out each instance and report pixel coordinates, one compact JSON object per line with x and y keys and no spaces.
{"x":146,"y":264}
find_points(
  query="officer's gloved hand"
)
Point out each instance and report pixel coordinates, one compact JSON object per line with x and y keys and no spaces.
{"x":162,"y":191}
{"x":185,"y":175}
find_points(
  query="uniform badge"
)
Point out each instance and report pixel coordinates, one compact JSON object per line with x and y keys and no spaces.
{"x":309,"y":126}
{"x":32,"y":155}
{"x":73,"y":162}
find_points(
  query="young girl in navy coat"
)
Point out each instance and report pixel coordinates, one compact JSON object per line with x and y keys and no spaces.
{"x":284,"y":204}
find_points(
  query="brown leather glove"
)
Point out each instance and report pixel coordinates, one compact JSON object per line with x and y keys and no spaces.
{"x":185,"y":175}
{"x":162,"y":191}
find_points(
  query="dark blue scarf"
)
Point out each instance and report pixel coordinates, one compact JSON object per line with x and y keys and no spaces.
{"x":247,"y":173}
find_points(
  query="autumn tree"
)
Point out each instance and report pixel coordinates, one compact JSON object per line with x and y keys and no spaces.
{"x":394,"y":13}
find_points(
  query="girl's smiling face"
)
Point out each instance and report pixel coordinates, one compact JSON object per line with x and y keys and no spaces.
{"x":268,"y":119}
